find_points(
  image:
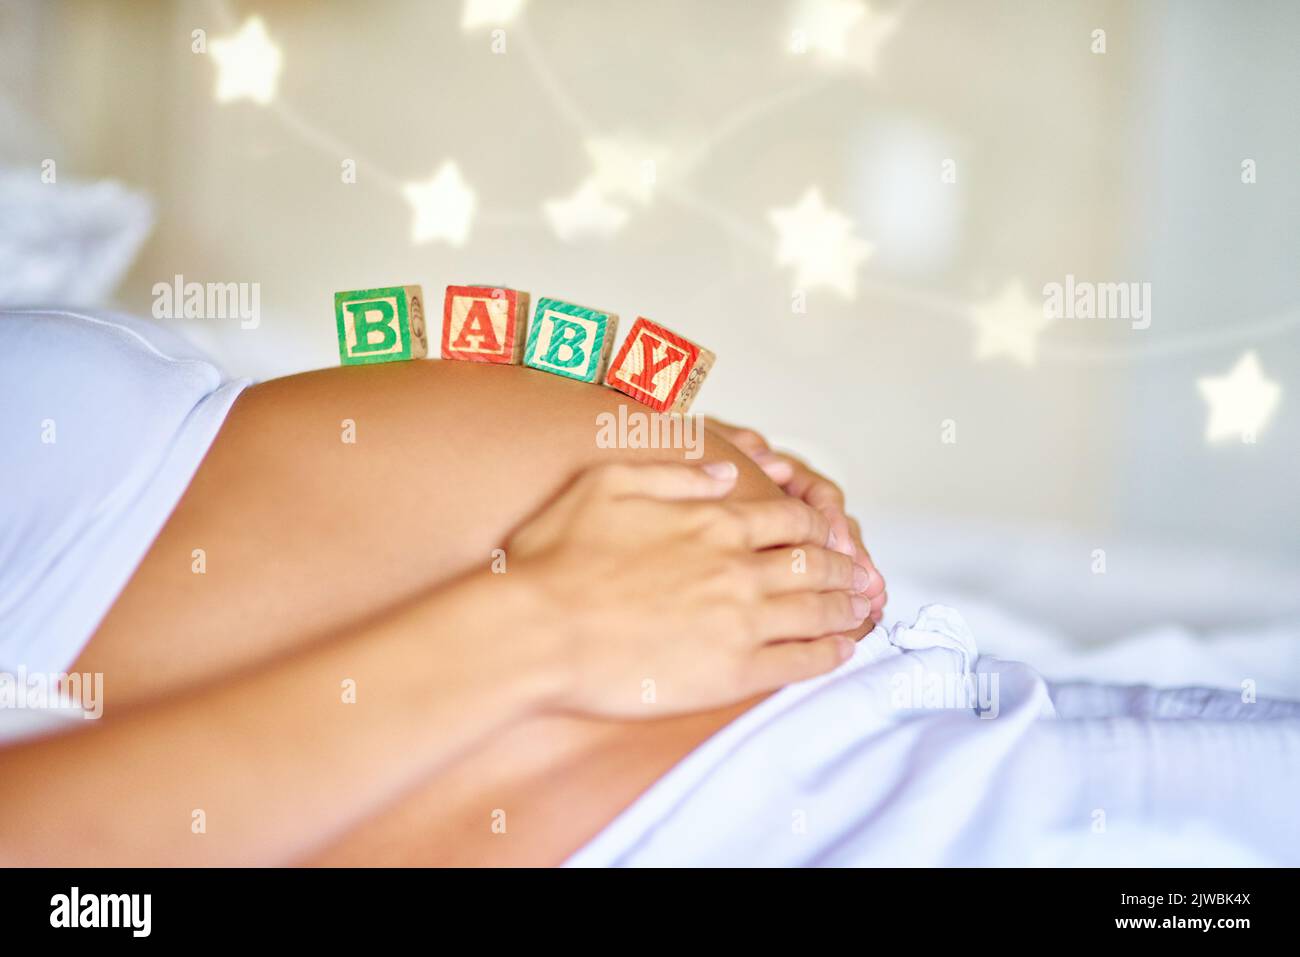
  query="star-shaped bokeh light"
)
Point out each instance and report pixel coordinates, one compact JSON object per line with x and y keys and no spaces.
{"x":584,"y":214}
{"x":844,"y":32}
{"x":488,"y":13}
{"x":1009,"y":325}
{"x":248,"y":64}
{"x":443,"y":207}
{"x":625,"y":167}
{"x":1240,"y":402}
{"x":820,"y":243}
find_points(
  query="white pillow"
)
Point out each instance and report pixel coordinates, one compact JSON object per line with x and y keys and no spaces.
{"x":67,"y":242}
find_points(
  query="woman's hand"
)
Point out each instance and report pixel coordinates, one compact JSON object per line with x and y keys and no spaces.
{"x":664,"y":597}
{"x":800,"y":481}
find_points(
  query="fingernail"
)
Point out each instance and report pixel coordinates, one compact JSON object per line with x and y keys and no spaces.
{"x":861,"y":608}
{"x":843,"y":547}
{"x":861,"y":580}
{"x":721,"y":470}
{"x":846,"y":648}
{"x":777,"y":471}
{"x":830,"y":539}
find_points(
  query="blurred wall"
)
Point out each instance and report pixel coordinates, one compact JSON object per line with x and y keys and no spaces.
{"x":1222,"y":85}
{"x":1114,"y":166}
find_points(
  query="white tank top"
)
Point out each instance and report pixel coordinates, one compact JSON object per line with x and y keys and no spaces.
{"x":104,"y":419}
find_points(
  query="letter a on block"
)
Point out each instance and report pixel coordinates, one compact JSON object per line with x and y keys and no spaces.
{"x":659,"y":368}
{"x":484,"y":324}
{"x":572,"y":341}
{"x":380,"y":325}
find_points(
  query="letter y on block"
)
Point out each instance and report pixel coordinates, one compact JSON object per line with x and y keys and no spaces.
{"x":659,"y":368}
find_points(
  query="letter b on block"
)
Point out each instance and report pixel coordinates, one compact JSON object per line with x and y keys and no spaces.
{"x":372,"y":325}
{"x":567,"y":348}
{"x":380,"y":325}
{"x":572,"y":341}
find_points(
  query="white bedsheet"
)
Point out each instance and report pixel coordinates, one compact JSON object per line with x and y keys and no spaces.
{"x":848,"y":770}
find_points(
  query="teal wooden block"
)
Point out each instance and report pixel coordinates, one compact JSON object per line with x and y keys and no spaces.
{"x":571,"y":341}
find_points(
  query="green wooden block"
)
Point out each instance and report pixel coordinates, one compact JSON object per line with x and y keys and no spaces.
{"x":572,"y":341}
{"x":380,"y":325}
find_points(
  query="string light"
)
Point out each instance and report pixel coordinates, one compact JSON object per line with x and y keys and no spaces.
{"x":818,"y":241}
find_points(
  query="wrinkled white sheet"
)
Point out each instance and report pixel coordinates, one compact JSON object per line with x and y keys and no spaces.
{"x":918,"y":751}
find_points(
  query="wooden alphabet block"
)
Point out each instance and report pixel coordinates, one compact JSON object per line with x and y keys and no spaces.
{"x":380,"y":325}
{"x":659,"y":368}
{"x":569,"y":340}
{"x":484,"y":324}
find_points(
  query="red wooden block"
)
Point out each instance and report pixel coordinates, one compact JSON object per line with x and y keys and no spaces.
{"x":659,"y":368}
{"x":484,"y":324}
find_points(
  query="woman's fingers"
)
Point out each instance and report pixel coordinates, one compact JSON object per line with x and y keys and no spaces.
{"x":843,"y":534}
{"x":808,"y":568}
{"x":747,"y":440}
{"x":789,"y":661}
{"x":810,"y":485}
{"x":878,"y":606}
{"x":775,"y":466}
{"x":799,"y":481}
{"x":781,"y":521}
{"x":666,"y":481}
{"x":796,"y":479}
{"x":810,"y":613}
{"x":876,"y":587}
{"x":805,"y":484}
